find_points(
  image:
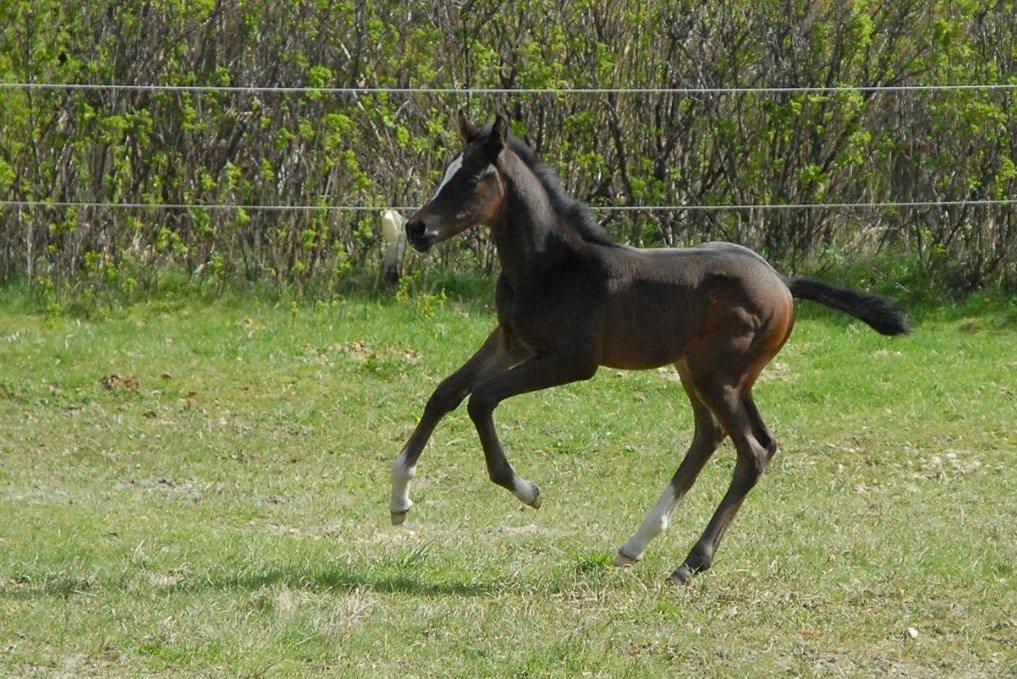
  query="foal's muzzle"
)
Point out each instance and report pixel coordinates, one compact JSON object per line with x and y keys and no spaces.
{"x":418,"y":236}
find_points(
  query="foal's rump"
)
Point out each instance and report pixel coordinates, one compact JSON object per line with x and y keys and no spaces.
{"x":750,"y":269}
{"x":717,"y":299}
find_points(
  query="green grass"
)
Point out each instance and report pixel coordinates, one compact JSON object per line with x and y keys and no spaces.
{"x":229,"y":516}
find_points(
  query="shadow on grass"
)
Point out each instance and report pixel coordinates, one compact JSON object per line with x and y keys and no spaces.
{"x":392,"y":577}
{"x":342,"y":579}
{"x":347,"y":579}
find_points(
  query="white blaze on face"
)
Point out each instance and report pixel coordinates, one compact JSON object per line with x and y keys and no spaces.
{"x":450,"y":172}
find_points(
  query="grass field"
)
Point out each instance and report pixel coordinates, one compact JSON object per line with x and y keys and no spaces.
{"x":202,"y":487}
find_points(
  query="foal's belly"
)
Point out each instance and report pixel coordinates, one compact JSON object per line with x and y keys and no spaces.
{"x":646,"y":325}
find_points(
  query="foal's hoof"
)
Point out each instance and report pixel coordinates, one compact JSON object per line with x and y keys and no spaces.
{"x":623,"y":560}
{"x":527,"y":493}
{"x":682,"y":575}
{"x":399,"y":517}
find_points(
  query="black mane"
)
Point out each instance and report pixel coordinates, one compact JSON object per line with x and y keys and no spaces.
{"x":575,"y":213}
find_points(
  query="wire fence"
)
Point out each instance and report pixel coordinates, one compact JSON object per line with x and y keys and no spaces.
{"x":731,"y":207}
{"x":466,"y":91}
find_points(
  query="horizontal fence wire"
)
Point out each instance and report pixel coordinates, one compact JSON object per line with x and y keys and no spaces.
{"x":42,"y":204}
{"x":268,"y":89}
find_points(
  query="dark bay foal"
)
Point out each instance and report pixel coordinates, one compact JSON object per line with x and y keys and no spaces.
{"x":570,"y":300}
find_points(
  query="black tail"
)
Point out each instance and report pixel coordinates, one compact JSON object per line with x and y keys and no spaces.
{"x":877,"y":311}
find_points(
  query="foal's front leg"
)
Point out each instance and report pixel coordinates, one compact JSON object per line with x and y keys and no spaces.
{"x":497,"y":354}
{"x":537,"y":372}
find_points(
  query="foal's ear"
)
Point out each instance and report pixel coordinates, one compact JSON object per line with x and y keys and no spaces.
{"x":499,"y":134}
{"x":466,"y":129}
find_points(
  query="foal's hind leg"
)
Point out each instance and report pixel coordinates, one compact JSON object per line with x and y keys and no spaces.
{"x":707,"y":437}
{"x":755,"y":446}
{"x":498,"y":353}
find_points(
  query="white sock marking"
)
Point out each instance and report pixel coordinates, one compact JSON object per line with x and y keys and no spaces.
{"x":525,"y":490}
{"x":401,"y":475}
{"x":654,"y":524}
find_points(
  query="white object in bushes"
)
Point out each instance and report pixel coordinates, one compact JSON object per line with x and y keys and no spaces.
{"x":393,"y":235}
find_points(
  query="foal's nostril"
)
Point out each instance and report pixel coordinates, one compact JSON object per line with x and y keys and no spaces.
{"x":415,"y":228}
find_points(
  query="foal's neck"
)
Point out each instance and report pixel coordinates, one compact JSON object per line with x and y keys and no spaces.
{"x":528,"y":231}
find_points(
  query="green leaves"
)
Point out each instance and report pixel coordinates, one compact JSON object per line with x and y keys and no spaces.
{"x":7,"y":175}
{"x":384,"y":149}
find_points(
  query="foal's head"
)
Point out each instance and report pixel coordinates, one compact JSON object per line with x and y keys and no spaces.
{"x":471,"y":191}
